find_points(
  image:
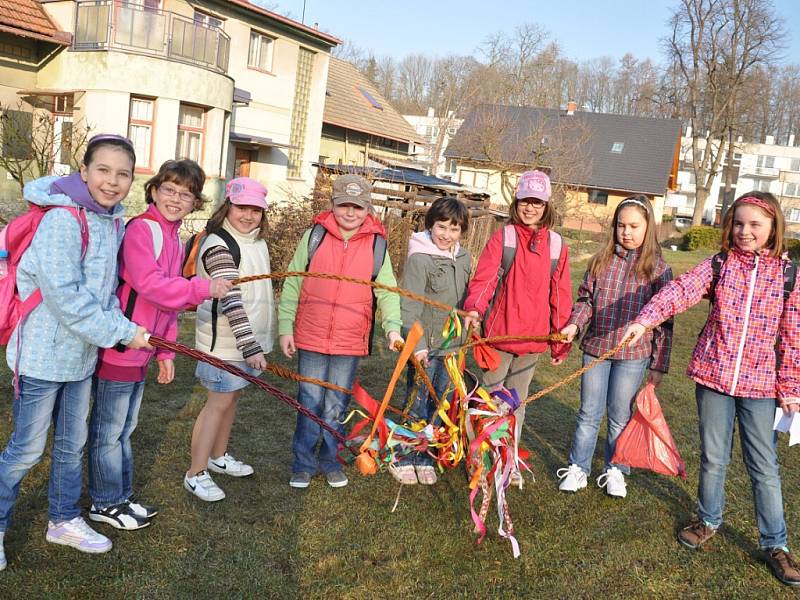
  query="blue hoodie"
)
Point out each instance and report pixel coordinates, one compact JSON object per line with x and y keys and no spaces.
{"x":79,"y":310}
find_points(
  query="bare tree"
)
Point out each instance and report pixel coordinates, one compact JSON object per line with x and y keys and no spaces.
{"x":32,"y":144}
{"x":507,"y":140}
{"x":716,"y":44}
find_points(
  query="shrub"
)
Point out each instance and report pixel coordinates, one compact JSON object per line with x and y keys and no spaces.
{"x":706,"y":237}
{"x":794,"y":248}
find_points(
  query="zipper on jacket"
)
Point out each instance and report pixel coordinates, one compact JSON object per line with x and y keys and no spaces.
{"x":747,"y":308}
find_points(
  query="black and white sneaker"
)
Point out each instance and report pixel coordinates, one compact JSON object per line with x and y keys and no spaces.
{"x":145,"y":511}
{"x":120,"y":516}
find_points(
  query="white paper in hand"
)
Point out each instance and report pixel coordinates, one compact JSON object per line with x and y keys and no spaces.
{"x":788,"y":423}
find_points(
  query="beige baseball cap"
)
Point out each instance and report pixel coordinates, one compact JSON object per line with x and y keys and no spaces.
{"x":352,"y":189}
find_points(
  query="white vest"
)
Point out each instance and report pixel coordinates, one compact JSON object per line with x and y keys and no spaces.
{"x":257,"y":298}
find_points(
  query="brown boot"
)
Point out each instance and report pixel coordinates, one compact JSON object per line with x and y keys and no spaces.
{"x":695,"y":534}
{"x":783,"y":565}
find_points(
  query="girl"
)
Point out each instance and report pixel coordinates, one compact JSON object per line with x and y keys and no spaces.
{"x":513,"y":301}
{"x":54,"y":350}
{"x":747,"y":360}
{"x":438,"y":268}
{"x":329,"y":323}
{"x":152,"y":292}
{"x":235,"y":247}
{"x":619,"y":281}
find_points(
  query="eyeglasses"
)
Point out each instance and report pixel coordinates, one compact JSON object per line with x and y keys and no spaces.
{"x":534,"y":202}
{"x":171,"y":192}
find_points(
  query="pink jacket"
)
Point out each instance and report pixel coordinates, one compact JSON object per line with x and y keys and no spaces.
{"x":735,"y":353}
{"x":162,"y":290}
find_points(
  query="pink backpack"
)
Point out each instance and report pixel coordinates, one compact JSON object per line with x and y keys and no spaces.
{"x":16,"y":237}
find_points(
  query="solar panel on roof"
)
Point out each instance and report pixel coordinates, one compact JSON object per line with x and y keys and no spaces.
{"x":370,"y":98}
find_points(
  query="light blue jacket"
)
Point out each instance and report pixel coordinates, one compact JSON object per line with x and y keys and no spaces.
{"x":79,"y":310}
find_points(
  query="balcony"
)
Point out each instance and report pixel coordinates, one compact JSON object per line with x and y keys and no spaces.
{"x":767,"y":172}
{"x":116,"y":24}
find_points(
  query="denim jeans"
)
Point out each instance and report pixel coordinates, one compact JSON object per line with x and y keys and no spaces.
{"x":610,"y":386}
{"x":115,"y":414}
{"x":38,"y":404}
{"x":756,"y":416}
{"x":325,"y":403}
{"x":424,"y":406}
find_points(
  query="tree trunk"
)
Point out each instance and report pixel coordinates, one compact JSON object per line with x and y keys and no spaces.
{"x":700,"y":197}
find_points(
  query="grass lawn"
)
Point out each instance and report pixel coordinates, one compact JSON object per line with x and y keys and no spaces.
{"x":267,"y":540}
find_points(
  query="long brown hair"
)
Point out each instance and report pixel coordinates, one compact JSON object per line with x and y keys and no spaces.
{"x":650,"y":250}
{"x":548,"y":216}
{"x":216,"y":220}
{"x":776,"y":242}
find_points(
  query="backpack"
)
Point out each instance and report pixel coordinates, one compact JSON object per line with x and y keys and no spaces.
{"x":318,"y":233}
{"x":17,"y":236}
{"x":189,"y":269}
{"x":789,"y":276}
{"x":510,"y":252}
{"x":158,"y":246}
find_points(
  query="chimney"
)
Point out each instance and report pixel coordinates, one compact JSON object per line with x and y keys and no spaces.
{"x":571,"y":106}
{"x":769,"y":140}
{"x":431,"y":112}
{"x":791,"y":140}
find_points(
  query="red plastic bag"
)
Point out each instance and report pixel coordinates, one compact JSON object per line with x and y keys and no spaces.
{"x":646,"y":442}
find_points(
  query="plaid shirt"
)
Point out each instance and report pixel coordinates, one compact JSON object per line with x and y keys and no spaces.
{"x":609,"y":304}
{"x":736,"y":351}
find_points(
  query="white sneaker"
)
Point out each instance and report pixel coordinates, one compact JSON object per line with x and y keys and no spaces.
{"x":572,"y":479}
{"x":78,"y":534}
{"x":614,"y":482}
{"x":202,"y":486}
{"x":228,"y":465}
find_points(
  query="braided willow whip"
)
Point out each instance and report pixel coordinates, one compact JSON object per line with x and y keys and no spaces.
{"x":579,"y":372}
{"x":282,"y":396}
{"x":367,"y":282}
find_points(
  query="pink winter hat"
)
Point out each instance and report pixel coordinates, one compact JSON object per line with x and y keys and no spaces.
{"x":533,"y":184}
{"x":247,"y":192}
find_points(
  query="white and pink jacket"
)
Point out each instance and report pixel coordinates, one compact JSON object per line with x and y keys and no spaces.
{"x":736,"y":351}
{"x":161,"y":290}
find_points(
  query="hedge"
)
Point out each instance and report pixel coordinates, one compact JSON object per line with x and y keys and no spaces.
{"x":702,"y":236}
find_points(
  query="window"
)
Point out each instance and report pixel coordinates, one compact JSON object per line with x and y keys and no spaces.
{"x":370,"y":98}
{"x":617,"y":147}
{"x":16,"y":127}
{"x":766,"y":161}
{"x":793,"y":215}
{"x":140,"y":128}
{"x":762,"y":185}
{"x":207,"y":20}
{"x":62,"y":104}
{"x":191,"y":127}
{"x":261,"y":49}
{"x":795,"y":165}
{"x":792,"y":189}
{"x":450,"y":165}
{"x":476,"y":179}
{"x":598,"y":197}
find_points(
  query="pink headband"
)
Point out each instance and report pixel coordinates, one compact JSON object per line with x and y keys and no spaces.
{"x":766,"y":206}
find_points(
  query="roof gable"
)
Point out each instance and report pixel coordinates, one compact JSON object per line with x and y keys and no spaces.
{"x":616,"y":152}
{"x":353,"y":102}
{"x":27,"y":18}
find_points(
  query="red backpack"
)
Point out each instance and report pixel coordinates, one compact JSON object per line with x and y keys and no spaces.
{"x":18,"y":235}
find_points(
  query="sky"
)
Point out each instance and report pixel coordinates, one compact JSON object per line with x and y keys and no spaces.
{"x":584,"y":29}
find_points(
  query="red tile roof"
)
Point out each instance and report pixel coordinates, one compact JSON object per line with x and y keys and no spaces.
{"x":27,"y":18}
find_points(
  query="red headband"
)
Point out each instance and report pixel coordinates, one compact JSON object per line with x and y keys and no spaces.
{"x":766,"y":206}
